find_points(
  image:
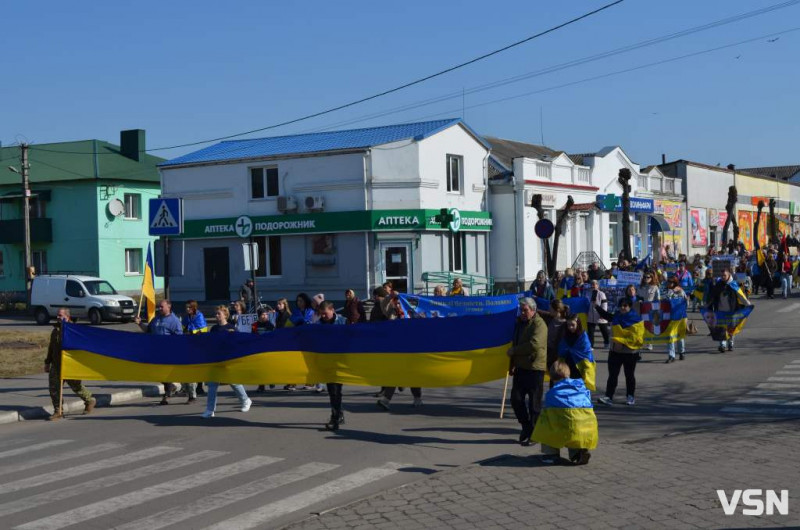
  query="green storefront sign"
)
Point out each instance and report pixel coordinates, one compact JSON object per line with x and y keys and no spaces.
{"x":333,"y":222}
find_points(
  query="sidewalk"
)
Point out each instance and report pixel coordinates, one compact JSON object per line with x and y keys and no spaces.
{"x":28,"y":398}
{"x":667,"y":482}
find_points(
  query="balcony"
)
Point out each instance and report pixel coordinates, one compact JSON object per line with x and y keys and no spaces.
{"x":12,"y":231}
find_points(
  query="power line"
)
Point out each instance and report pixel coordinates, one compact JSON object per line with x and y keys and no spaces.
{"x":390,"y":91}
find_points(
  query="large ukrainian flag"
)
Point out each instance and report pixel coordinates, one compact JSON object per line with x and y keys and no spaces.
{"x":565,"y":287}
{"x":628,"y":329}
{"x":415,"y":353}
{"x":580,"y":353}
{"x":567,"y":418}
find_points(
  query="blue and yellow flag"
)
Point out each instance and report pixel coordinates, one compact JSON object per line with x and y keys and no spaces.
{"x":580,"y":354}
{"x":725,"y":324}
{"x":421,"y":352}
{"x":149,"y":286}
{"x":578,"y":305}
{"x":664,"y":321}
{"x":565,"y":287}
{"x":628,"y":329}
{"x":567,"y":418}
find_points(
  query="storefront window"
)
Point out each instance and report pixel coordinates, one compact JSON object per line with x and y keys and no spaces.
{"x":456,"y":252}
{"x":269,"y":256}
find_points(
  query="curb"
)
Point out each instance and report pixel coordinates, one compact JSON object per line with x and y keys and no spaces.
{"x":103,"y":400}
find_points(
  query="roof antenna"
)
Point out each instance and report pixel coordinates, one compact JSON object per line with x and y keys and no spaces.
{"x":541,"y":123}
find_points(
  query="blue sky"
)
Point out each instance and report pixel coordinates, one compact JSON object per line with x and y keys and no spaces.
{"x":188,"y":71}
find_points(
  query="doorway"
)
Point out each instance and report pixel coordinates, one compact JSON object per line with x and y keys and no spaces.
{"x":396,"y":265}
{"x":217,"y":273}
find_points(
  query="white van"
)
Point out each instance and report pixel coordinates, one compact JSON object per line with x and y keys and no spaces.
{"x":85,"y":296}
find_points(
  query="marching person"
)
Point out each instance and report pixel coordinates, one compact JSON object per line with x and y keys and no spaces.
{"x":675,"y":292}
{"x":194,"y":322}
{"x":575,"y":350}
{"x":262,"y":326}
{"x":303,"y":312}
{"x":568,"y":419}
{"x":247,"y":294}
{"x":527,"y":365}
{"x":223,"y":326}
{"x":622,"y":354}
{"x":555,"y":319}
{"x":597,"y":298}
{"x":328,"y":316}
{"x":353,"y":308}
{"x":726,"y":296}
{"x":52,"y":365}
{"x":165,"y":323}
{"x":684,"y":277}
{"x":458,"y":289}
{"x":283,"y":316}
{"x":541,"y":287}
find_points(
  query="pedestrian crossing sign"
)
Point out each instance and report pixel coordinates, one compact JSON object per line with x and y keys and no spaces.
{"x":166,"y":217}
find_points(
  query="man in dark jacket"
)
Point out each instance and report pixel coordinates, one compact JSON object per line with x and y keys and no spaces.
{"x":528,"y":363}
{"x":52,"y":365}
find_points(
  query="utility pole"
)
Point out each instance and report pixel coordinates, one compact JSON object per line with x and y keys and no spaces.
{"x":26,"y":214}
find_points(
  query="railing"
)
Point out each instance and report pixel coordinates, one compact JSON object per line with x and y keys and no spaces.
{"x":584,"y":176}
{"x":475,"y":285}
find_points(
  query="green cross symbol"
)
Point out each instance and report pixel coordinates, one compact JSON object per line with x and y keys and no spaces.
{"x":610,"y":202}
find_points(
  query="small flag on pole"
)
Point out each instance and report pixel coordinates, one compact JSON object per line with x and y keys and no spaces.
{"x":149,"y":286}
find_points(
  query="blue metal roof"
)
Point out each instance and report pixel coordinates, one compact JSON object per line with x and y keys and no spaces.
{"x":315,"y":142}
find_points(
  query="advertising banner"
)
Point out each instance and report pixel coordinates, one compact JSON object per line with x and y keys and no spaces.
{"x":746,"y":229}
{"x":698,"y":220}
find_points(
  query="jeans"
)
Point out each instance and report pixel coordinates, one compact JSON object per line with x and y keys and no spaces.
{"x":786,"y":284}
{"x":211,"y":401}
{"x":527,"y":384}
{"x":335,"y":396}
{"x":603,"y":331}
{"x":678,"y":347}
{"x":388,"y":392}
{"x":616,"y":361}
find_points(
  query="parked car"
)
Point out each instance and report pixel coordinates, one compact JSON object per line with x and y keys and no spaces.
{"x":85,"y":296}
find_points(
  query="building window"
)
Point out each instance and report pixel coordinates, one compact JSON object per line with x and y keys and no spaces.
{"x":456,"y":252}
{"x":454,"y":173}
{"x":269,"y":256}
{"x":133,"y":261}
{"x":39,"y":261}
{"x":263,"y":182}
{"x":543,"y":171}
{"x":37,"y":208}
{"x":2,"y":269}
{"x":133,"y":206}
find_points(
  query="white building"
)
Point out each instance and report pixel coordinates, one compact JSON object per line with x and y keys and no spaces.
{"x":331,"y":211}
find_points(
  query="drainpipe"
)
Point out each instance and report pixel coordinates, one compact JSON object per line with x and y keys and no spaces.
{"x":367,"y":175}
{"x":487,"y":247}
{"x":516,"y":231}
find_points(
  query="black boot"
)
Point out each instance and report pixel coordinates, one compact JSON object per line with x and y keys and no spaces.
{"x":334,"y":422}
{"x":200,"y":390}
{"x":261,"y":389}
{"x":525,"y":435}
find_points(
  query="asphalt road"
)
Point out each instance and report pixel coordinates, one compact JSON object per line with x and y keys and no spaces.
{"x":147,"y":466}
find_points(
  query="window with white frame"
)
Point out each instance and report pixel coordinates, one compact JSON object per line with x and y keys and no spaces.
{"x":454,"y":173}
{"x":263,"y":182}
{"x":133,"y":206}
{"x":133,"y":261}
{"x":39,"y":261}
{"x":269,"y":256}
{"x":456,"y":252}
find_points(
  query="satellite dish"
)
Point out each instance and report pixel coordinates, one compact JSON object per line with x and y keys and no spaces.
{"x":116,"y":207}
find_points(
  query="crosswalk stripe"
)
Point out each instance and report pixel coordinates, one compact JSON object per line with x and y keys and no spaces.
{"x":789,"y":308}
{"x":782,"y":401}
{"x":788,"y":411}
{"x":783,"y":392}
{"x":77,"y":471}
{"x":226,"y":498}
{"x":784,"y":379}
{"x":108,"y":506}
{"x":787,"y":372}
{"x":52,"y":459}
{"x":34,"y":447}
{"x":778,"y":386}
{"x":270,"y":512}
{"x":796,"y":362}
{"x":107,"y":481}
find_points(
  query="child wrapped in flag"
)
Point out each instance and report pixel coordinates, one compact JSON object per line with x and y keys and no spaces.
{"x":726,"y":311}
{"x":567,"y":419}
{"x":566,"y":284}
{"x":576,"y":351}
{"x":627,"y":338}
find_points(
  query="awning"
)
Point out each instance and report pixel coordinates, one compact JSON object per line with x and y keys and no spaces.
{"x":658,"y":223}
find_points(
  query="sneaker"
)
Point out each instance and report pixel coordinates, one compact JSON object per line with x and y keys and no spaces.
{"x":208,"y":414}
{"x":290,"y":388}
{"x":417,"y":402}
{"x":730,"y":347}
{"x":721,"y":349}
{"x":669,"y":360}
{"x":383,"y":403}
{"x":90,"y":405}
{"x":605,"y":400}
{"x":246,"y":405}
{"x":164,"y":401}
{"x":631,"y":400}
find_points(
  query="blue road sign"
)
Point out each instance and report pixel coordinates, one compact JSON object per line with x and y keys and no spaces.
{"x":166,"y":217}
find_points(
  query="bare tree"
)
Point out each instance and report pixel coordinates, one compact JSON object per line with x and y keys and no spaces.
{"x":773,"y":224}
{"x":624,"y":181}
{"x":757,"y":223}
{"x":733,"y":198}
{"x":536,"y":204}
{"x":561,"y":218}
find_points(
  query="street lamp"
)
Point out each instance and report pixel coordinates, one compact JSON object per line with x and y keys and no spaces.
{"x":26,"y":194}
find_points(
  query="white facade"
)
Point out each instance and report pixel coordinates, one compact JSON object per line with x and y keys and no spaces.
{"x":407,"y":177}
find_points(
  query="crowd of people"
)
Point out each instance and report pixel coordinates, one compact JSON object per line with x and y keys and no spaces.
{"x":551,"y":342}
